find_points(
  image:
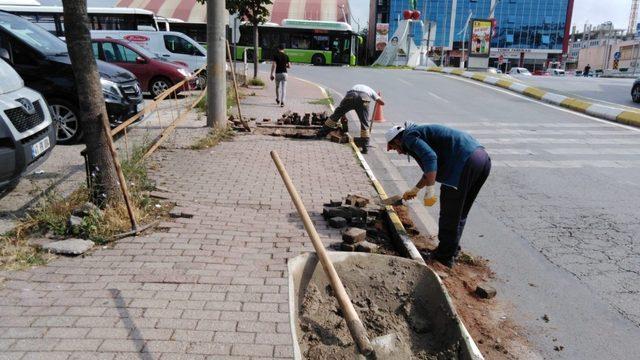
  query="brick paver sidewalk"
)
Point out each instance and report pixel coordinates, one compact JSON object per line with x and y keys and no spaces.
{"x":213,"y":286}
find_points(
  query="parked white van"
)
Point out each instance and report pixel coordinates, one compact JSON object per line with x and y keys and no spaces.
{"x":27,"y":134}
{"x":170,"y":45}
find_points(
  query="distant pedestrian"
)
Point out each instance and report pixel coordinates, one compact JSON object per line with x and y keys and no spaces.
{"x":457,"y":161}
{"x":357,"y":99}
{"x":279,"y":73}
{"x":587,"y":70}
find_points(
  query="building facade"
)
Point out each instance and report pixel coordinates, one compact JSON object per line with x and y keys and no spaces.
{"x":527,"y":32}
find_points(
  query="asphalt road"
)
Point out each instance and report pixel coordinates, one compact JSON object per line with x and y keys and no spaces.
{"x":558,"y":218}
{"x":609,"y":91}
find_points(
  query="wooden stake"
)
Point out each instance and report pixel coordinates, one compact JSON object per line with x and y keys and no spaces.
{"x":121,"y":179}
{"x":235,"y":87}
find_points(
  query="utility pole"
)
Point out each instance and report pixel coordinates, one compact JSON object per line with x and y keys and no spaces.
{"x":464,"y":39}
{"x":216,"y":60}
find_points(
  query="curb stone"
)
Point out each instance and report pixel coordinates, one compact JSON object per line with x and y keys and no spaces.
{"x":622,"y":116}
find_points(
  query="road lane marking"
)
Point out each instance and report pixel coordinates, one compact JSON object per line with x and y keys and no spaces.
{"x":437,"y":97}
{"x":511,"y":93}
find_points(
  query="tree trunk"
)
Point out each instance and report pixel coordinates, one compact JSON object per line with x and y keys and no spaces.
{"x":256,"y":54}
{"x":91,"y":101}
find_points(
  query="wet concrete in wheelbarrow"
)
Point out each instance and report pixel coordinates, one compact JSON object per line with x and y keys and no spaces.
{"x":391,"y":297}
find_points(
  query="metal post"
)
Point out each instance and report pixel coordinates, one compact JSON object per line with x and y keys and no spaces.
{"x":216,"y":59}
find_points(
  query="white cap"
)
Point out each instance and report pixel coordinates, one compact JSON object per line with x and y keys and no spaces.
{"x":393,"y":132}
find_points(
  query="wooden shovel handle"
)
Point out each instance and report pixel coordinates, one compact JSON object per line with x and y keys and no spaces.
{"x":357,"y":330}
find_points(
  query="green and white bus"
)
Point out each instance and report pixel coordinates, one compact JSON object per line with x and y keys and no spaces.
{"x":305,"y":41}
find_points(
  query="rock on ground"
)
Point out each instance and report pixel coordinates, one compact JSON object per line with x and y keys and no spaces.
{"x":69,"y":247}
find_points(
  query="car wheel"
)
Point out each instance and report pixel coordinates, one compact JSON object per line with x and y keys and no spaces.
{"x":201,"y":80}
{"x":66,"y":120}
{"x":159,"y":85}
{"x":318,"y":59}
{"x":635,"y":94}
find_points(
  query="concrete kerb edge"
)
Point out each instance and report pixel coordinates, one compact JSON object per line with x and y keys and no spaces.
{"x":618,"y":115}
{"x":400,"y":234}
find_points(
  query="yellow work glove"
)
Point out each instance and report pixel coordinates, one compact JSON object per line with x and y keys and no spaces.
{"x":411,"y":194}
{"x":430,"y":196}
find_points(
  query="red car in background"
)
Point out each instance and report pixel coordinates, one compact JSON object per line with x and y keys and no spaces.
{"x":155,"y":74}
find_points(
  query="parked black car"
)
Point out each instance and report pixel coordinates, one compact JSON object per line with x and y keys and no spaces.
{"x":635,"y":91}
{"x":43,"y":62}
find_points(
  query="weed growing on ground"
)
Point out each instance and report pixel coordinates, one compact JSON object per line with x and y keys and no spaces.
{"x":231,"y":100}
{"x":51,"y":217}
{"x":213,"y":138}
{"x":324,"y":101}
{"x":255,"y":82}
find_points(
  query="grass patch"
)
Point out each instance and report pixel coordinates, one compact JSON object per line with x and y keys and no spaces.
{"x":324,"y":101}
{"x":51,"y":217}
{"x":231,"y":100}
{"x":255,"y":82}
{"x":213,"y":138}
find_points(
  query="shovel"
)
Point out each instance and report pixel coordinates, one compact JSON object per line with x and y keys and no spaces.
{"x":380,"y":347}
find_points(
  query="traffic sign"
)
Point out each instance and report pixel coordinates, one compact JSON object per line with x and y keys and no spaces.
{"x":616,"y":55}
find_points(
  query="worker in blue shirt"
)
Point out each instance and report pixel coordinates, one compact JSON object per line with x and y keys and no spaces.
{"x":454,"y":159}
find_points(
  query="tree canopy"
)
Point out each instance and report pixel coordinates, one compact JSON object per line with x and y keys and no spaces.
{"x":254,"y":11}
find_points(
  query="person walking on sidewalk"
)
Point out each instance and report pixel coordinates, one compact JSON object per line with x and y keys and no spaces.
{"x":280,"y":65}
{"x":357,"y":99}
{"x":457,"y":161}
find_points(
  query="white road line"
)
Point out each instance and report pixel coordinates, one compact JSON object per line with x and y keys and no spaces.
{"x":593,"y":151}
{"x":437,"y":97}
{"x":567,"y":164}
{"x":511,"y":93}
{"x":405,"y":82}
{"x":532,"y":140}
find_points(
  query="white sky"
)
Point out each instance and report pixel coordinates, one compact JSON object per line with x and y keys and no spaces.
{"x":591,"y":11}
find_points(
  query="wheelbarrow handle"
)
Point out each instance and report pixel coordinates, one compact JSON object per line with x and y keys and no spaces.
{"x":357,"y":330}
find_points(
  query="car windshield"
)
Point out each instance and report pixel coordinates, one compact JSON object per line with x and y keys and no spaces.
{"x":524,"y":71}
{"x":33,"y":35}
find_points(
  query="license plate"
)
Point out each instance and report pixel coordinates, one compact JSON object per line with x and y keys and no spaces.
{"x":139,"y":107}
{"x":41,"y":146}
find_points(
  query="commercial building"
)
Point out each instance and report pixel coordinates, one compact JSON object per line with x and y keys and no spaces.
{"x":528,"y":32}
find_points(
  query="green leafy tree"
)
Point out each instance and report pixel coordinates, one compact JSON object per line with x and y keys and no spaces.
{"x":254,"y":11}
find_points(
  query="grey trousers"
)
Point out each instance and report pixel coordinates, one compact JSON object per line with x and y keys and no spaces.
{"x":358,"y":102}
{"x":281,"y":86}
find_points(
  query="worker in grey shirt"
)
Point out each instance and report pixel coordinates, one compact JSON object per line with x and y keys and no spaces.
{"x":357,"y":99}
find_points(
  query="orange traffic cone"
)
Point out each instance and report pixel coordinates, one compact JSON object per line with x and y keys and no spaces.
{"x":377,"y":112}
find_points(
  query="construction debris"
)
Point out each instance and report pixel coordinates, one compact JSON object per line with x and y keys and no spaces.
{"x":357,"y":200}
{"x":338,"y":222}
{"x":367,"y":247}
{"x":485,"y":291}
{"x":354,"y":235}
{"x":69,"y":247}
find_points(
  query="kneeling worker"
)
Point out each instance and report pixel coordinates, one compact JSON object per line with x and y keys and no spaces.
{"x":457,"y":161}
{"x":358,"y":99}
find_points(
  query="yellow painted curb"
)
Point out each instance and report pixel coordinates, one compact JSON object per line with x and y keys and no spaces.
{"x":504,"y":83}
{"x":457,"y":71}
{"x":435,"y":69}
{"x":534,"y":92}
{"x":575,"y":104}
{"x":479,"y":77}
{"x":629,"y":118}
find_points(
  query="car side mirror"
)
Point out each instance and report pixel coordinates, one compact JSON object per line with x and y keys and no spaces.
{"x":4,"y":54}
{"x":140,"y":60}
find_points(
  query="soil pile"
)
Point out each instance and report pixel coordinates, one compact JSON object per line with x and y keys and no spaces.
{"x":392,"y":297}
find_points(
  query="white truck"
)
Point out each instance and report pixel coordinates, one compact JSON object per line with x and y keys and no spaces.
{"x":27,"y":134}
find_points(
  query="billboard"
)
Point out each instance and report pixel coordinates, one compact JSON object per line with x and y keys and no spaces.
{"x":382,"y":36}
{"x":480,"y":38}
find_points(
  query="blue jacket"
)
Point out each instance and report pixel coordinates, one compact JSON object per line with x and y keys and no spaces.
{"x":439,"y":148}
